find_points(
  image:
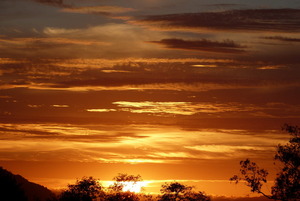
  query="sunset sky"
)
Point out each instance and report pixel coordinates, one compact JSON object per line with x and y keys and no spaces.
{"x":168,"y":89}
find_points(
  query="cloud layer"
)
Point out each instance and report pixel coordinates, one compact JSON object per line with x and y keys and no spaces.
{"x":281,"y":20}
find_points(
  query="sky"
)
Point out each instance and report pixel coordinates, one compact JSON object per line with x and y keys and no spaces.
{"x":171,"y":89}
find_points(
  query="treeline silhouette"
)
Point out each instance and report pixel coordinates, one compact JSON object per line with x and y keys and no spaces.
{"x":90,"y":189}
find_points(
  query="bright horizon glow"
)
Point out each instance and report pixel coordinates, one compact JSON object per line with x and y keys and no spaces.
{"x":135,"y":187}
{"x":154,"y":186}
{"x":131,"y":186}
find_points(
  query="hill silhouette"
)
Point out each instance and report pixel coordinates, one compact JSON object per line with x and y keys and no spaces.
{"x":17,"y":188}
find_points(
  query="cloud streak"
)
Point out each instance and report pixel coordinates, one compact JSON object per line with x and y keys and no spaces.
{"x":134,"y":74}
{"x":282,"y":20}
{"x":98,"y":10}
{"x":282,"y":38}
{"x":40,"y":42}
{"x":139,"y":144}
{"x":101,"y":10}
{"x":56,"y":3}
{"x":227,"y":46}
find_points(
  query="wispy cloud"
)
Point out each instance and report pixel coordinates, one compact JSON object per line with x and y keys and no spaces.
{"x":40,"y":43}
{"x":101,"y":110}
{"x":139,"y":144}
{"x":282,"y":38}
{"x":226,"y":148}
{"x":135,"y":74}
{"x":98,"y":10}
{"x":182,"y":108}
{"x":102,"y":10}
{"x":192,"y":108}
{"x":56,"y":3}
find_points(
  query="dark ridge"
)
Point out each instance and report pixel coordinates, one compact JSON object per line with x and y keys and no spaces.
{"x":17,"y":188}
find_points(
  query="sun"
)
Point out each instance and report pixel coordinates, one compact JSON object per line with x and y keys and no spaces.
{"x":135,"y":187}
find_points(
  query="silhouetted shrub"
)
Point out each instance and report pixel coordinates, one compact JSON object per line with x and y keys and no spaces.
{"x":176,"y":191}
{"x":85,"y":189}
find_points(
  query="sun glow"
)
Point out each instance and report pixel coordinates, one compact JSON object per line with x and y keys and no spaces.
{"x":135,"y":187}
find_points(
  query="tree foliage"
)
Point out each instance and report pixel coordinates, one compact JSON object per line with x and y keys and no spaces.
{"x":85,"y":189}
{"x":89,"y":189}
{"x":253,"y":175}
{"x":176,"y":191}
{"x":122,"y":196}
{"x":287,"y":182}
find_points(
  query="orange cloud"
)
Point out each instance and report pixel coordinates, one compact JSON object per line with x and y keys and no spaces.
{"x":139,"y":144}
{"x":103,"y":10}
{"x":101,"y":110}
{"x":44,"y":42}
{"x":192,"y":108}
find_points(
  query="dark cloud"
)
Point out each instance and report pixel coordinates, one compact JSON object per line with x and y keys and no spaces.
{"x":227,"y":46}
{"x":223,"y":5}
{"x":256,"y":20}
{"x":234,"y":74}
{"x":283,"y":39}
{"x":98,"y":10}
{"x":56,"y":3}
{"x":26,"y":132}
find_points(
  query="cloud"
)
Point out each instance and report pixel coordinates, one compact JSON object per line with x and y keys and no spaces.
{"x":282,"y":38}
{"x":136,"y":144}
{"x":223,"y":5}
{"x":64,"y":132}
{"x":99,"y":10}
{"x":137,"y":74}
{"x":226,"y":148}
{"x":60,"y":106}
{"x":47,"y":42}
{"x":56,"y":3}
{"x":227,"y":46}
{"x":192,"y":108}
{"x":72,"y":42}
{"x":102,"y":10}
{"x":101,"y":110}
{"x":283,"y":20}
{"x":181,"y":108}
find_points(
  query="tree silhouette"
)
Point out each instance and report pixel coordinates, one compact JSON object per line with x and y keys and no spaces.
{"x":117,"y":192}
{"x":122,"y":196}
{"x":176,"y":191}
{"x":89,"y":189}
{"x":287,"y":183}
{"x":85,"y":189}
